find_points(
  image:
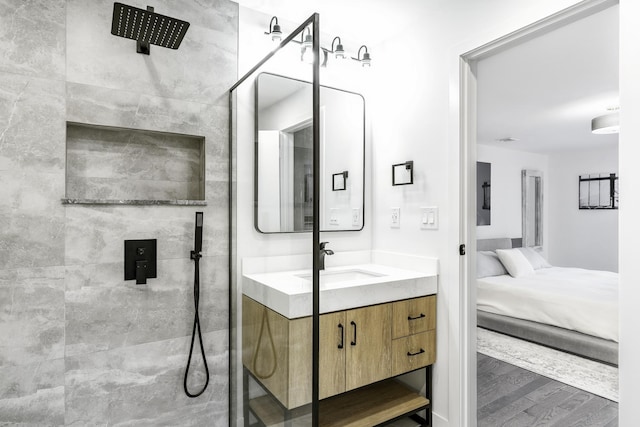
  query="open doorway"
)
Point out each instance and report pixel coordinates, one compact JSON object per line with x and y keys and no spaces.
{"x":546,"y":227}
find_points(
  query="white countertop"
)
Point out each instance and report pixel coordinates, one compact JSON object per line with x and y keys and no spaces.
{"x":291,"y":295}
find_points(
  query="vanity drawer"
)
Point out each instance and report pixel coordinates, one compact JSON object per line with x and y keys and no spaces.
{"x":413,"y":352}
{"x":414,"y":316}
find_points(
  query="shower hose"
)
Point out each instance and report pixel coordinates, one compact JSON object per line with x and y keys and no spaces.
{"x":196,"y":325}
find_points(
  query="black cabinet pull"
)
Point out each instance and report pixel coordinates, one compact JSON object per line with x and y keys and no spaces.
{"x":415,"y":354}
{"x":417,"y":317}
{"x":355,"y":330}
{"x":341,"y":345}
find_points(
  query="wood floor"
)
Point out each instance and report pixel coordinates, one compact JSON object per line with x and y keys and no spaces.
{"x":514,"y":397}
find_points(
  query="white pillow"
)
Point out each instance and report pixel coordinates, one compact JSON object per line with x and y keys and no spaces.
{"x":488,"y":264}
{"x":515,"y":262}
{"x":535,"y":259}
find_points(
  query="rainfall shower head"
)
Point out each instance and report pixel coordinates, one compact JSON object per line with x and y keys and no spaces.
{"x":147,"y":27}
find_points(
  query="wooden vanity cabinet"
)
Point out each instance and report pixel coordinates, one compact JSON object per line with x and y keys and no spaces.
{"x":358,"y":347}
{"x":354,"y":348}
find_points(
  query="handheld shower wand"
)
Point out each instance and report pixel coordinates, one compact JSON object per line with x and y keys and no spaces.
{"x":195,"y":256}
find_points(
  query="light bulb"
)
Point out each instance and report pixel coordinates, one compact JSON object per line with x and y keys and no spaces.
{"x":307,"y":56}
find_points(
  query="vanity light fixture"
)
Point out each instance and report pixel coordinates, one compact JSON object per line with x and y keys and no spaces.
{"x":607,"y":124}
{"x":338,"y":51}
{"x":365,"y":59}
{"x":274,"y":30}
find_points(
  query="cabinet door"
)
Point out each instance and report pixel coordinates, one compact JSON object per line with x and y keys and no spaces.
{"x":333,"y":348}
{"x":368,"y":345}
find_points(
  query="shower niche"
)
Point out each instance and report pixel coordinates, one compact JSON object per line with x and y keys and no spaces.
{"x":110,"y":165}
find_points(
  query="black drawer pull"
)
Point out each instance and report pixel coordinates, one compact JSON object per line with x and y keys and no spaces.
{"x":341,"y":345}
{"x":417,"y":317}
{"x":415,"y":354}
{"x":355,"y":329}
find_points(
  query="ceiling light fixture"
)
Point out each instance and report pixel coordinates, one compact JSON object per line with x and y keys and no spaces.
{"x":365,"y":59}
{"x":274,"y":30}
{"x":607,"y":124}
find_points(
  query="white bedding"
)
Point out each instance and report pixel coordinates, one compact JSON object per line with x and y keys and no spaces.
{"x":572,"y":298}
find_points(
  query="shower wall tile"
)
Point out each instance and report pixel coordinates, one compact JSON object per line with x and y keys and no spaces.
{"x":215,"y":127}
{"x":96,"y":234}
{"x":103,"y":312}
{"x":32,"y":124}
{"x":32,"y":394}
{"x":201,"y":70}
{"x":109,"y":107}
{"x":31,"y":316}
{"x":32,"y":38}
{"x":142,"y":385}
{"x":31,"y":219}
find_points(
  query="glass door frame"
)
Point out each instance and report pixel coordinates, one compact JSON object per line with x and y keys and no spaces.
{"x":314,"y":22}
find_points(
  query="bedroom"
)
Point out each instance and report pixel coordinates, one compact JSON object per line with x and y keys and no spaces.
{"x":572,"y":77}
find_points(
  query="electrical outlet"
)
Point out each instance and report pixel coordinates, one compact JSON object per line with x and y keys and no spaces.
{"x":429,"y":218}
{"x":333,"y":217}
{"x":355,"y":217}
{"x":395,"y":217}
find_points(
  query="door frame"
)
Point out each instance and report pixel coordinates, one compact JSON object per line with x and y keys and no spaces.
{"x":462,"y":177}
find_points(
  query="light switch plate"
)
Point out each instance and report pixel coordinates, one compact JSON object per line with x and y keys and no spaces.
{"x":333,"y":217}
{"x":429,"y":218}
{"x":355,"y":217}
{"x":395,"y":218}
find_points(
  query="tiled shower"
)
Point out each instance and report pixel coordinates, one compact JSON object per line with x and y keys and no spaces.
{"x":78,"y":344}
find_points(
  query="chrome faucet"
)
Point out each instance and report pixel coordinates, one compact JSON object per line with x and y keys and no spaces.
{"x":324,"y":252}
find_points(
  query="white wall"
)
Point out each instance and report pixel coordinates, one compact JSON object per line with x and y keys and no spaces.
{"x":580,"y":238}
{"x":629,"y":211}
{"x":506,"y":191}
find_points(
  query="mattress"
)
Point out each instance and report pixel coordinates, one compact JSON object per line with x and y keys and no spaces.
{"x":572,"y":298}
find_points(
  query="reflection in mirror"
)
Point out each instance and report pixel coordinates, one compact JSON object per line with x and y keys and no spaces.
{"x":531,"y":208}
{"x":483,"y":193}
{"x":284,"y":157}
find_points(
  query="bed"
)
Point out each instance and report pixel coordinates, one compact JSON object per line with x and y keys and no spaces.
{"x":570,"y":309}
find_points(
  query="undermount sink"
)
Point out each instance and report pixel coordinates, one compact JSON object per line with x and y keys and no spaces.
{"x":331,"y":277}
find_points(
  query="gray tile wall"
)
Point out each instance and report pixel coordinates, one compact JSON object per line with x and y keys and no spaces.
{"x":78,"y":345}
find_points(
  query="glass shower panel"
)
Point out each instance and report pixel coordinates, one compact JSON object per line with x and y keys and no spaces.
{"x":271,"y":262}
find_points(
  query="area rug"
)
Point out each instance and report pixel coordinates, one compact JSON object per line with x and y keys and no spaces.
{"x":593,"y":377}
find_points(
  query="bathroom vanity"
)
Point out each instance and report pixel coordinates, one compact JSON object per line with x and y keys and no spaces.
{"x":368,"y":336}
